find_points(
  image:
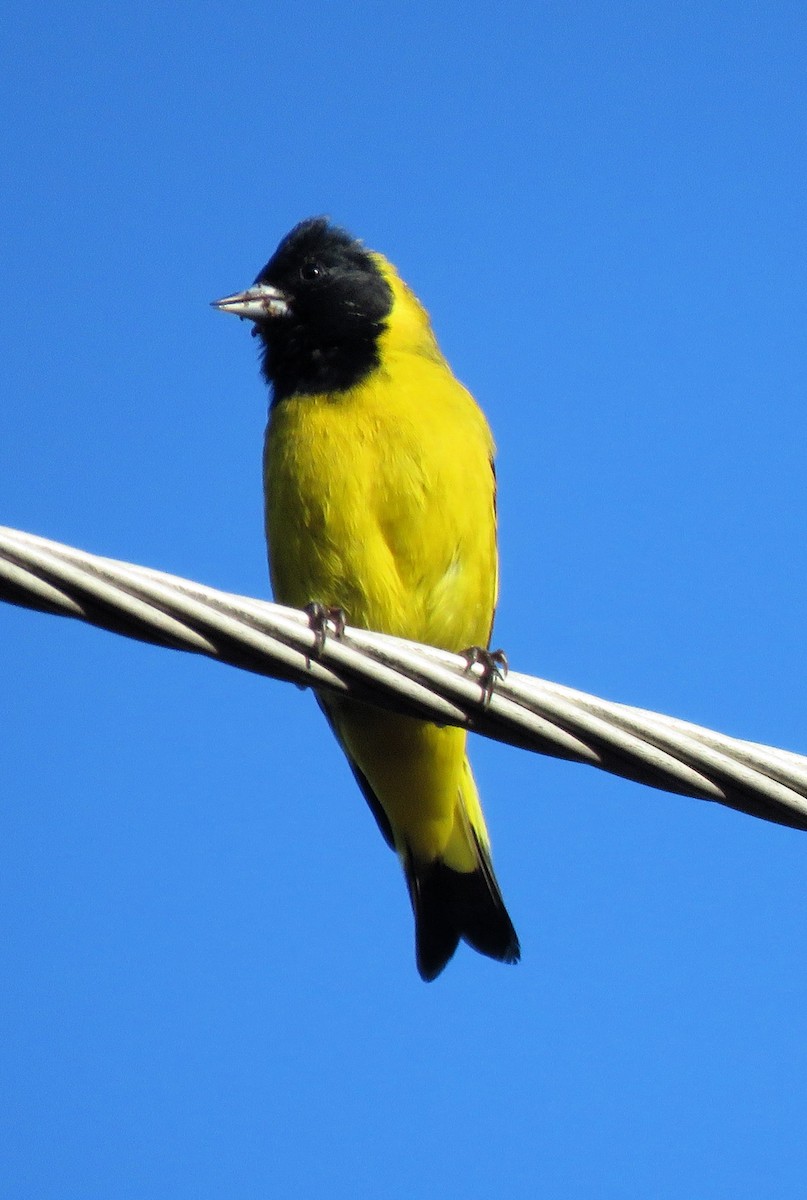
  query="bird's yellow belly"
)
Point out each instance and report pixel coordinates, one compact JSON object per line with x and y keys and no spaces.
{"x":369,"y":514}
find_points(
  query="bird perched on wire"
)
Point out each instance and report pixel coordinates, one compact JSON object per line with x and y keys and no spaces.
{"x":381,"y":505}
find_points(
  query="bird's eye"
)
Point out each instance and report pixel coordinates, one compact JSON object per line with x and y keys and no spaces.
{"x":310,"y":270}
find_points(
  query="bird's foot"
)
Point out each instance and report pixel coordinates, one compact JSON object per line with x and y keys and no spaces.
{"x":324,"y":620}
{"x":493,"y":664}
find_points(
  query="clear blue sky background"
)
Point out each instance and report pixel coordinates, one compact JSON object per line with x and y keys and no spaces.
{"x":208,"y":987}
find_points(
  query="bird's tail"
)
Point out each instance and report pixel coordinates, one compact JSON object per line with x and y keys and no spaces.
{"x":451,"y":904}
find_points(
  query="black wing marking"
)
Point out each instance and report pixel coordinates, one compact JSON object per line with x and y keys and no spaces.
{"x":373,"y":803}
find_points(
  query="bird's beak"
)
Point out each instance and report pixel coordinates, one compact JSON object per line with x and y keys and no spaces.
{"x":261,"y":302}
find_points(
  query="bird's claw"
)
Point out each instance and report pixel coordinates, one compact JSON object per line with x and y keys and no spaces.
{"x":493,"y":664}
{"x":324,"y":620}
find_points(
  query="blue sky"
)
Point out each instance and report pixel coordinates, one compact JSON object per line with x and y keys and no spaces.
{"x":208,"y":986}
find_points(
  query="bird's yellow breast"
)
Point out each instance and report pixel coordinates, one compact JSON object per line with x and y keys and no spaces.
{"x":381,"y":500}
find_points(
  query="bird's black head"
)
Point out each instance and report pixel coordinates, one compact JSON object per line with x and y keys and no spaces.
{"x":322,"y":336}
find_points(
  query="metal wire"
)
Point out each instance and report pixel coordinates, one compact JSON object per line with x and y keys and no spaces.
{"x":534,"y":714}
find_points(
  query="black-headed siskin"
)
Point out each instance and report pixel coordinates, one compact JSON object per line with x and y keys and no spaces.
{"x":380,"y":502}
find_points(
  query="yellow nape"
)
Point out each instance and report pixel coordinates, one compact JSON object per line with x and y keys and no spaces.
{"x":409,"y":328}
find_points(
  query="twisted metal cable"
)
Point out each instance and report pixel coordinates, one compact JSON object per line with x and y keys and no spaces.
{"x":531,"y":713}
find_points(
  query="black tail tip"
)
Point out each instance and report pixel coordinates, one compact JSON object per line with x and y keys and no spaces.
{"x":450,"y":906}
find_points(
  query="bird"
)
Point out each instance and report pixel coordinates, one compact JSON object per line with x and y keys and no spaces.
{"x":380,"y":508}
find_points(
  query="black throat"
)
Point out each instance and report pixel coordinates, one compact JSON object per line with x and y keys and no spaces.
{"x":296,"y":361}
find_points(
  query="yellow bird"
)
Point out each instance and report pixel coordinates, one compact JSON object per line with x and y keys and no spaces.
{"x":381,"y":502}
